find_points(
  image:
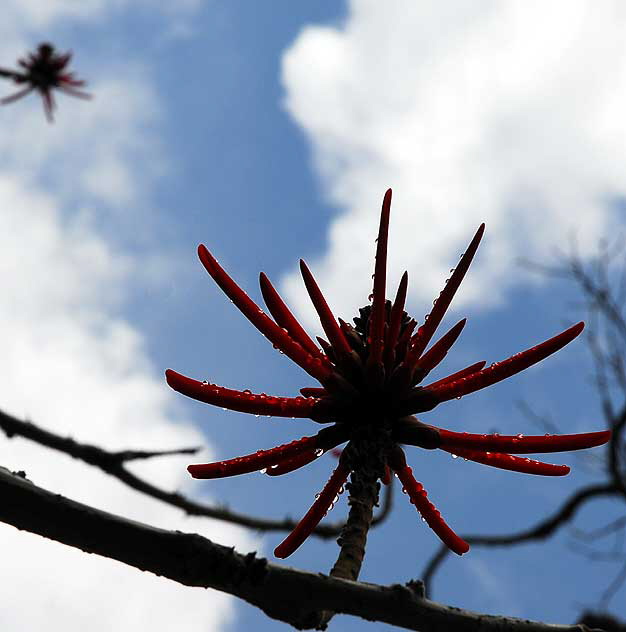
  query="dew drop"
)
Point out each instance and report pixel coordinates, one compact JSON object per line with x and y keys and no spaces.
{"x":520,"y":436}
{"x":319,"y":452}
{"x":224,"y":408}
{"x":454,"y":456}
{"x":317,"y":496}
{"x":263,"y":471}
{"x":247,"y":392}
{"x":205,"y":383}
{"x":257,"y":416}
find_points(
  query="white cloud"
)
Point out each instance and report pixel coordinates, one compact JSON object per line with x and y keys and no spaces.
{"x":73,"y":364}
{"x":38,"y":14}
{"x":505,"y":112}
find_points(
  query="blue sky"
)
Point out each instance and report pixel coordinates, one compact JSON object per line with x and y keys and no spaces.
{"x":270,"y":133}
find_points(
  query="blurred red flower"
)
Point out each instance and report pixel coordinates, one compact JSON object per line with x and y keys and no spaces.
{"x":44,"y":71}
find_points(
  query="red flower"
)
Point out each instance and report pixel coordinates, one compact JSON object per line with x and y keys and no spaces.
{"x":369,"y":376}
{"x":44,"y":71}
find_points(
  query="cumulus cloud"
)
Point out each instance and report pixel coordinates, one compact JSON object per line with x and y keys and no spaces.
{"x":75,"y":368}
{"x":505,"y":112}
{"x":74,"y":364}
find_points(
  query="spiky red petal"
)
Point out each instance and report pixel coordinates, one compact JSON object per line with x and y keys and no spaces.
{"x":418,"y":497}
{"x":329,"y":324}
{"x":521,"y":444}
{"x":252,"y":462}
{"x":279,"y":338}
{"x":284,"y":318}
{"x":317,"y":511}
{"x":426,"y":331}
{"x":247,"y":402}
{"x":377,"y":316}
{"x":506,"y":368}
{"x":510,"y":462}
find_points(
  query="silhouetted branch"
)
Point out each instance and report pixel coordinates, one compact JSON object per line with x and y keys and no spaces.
{"x":113,"y":463}
{"x":543,"y":529}
{"x":282,"y":593}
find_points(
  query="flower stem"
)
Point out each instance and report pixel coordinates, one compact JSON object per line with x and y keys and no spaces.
{"x":363,"y":488}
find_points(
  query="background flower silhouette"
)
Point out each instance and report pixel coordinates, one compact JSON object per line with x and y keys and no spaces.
{"x":44,"y":71}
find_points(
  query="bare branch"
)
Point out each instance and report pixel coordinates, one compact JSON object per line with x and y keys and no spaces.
{"x":113,"y":463}
{"x":282,"y":593}
{"x":540,"y":531}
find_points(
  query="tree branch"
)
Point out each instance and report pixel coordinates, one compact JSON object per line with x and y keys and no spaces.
{"x":282,"y":593}
{"x":113,"y":463}
{"x":543,"y":529}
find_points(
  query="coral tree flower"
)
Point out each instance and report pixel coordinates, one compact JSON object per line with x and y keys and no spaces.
{"x":369,"y":376}
{"x":44,"y":71}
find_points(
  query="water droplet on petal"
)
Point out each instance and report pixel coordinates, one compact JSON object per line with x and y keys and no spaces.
{"x":319,"y":452}
{"x":454,"y":456}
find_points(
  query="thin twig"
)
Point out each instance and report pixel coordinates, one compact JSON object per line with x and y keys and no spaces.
{"x":113,"y":463}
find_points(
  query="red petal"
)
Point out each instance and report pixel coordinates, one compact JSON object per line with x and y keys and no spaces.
{"x":435,"y":354}
{"x":510,"y":462}
{"x":377,"y":316}
{"x":284,"y":318}
{"x":313,"y":391}
{"x":506,"y":368}
{"x":473,"y":368}
{"x":329,"y":324}
{"x":244,"y":401}
{"x":312,"y":517}
{"x":294,"y":463}
{"x":395,"y":321}
{"x":429,"y":512}
{"x":426,"y":331}
{"x":252,"y":462}
{"x":278,"y":337}
{"x":520,"y":444}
